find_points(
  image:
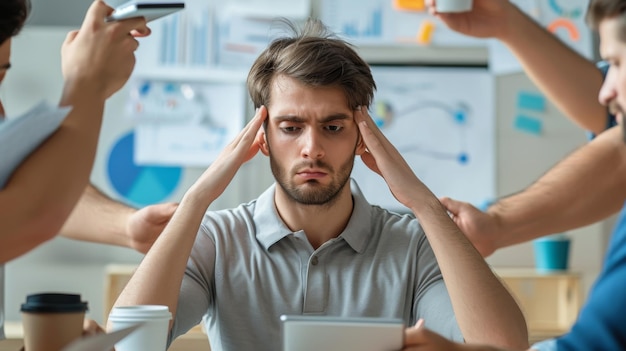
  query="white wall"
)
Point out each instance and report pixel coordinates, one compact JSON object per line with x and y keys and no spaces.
{"x":78,"y":267}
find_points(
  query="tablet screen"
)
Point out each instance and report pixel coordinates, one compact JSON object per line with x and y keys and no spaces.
{"x":327,"y":333}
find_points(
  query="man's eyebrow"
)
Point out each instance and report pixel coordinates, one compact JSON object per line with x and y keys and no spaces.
{"x":335,"y":117}
{"x":5,"y":66}
{"x":297,"y":119}
{"x":289,"y":118}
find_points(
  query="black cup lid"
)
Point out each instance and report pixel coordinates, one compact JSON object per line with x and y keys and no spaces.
{"x":54,"y":303}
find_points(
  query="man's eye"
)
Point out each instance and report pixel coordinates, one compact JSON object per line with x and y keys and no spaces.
{"x":334,"y":128}
{"x":290,"y":129}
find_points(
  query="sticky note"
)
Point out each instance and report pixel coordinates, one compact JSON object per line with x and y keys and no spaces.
{"x":526,"y":124}
{"x":409,"y":5}
{"x":425,"y":32}
{"x":531,"y":101}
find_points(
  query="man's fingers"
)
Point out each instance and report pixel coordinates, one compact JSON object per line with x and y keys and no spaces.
{"x":90,"y":327}
{"x":96,"y":14}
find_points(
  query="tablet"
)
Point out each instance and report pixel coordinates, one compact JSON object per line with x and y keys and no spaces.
{"x":326,"y":333}
{"x":147,"y":9}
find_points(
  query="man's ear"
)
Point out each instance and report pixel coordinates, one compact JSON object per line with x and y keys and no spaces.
{"x":262,"y":141}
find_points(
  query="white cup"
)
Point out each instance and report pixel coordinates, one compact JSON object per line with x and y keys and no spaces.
{"x":152,"y":336}
{"x":453,"y":5}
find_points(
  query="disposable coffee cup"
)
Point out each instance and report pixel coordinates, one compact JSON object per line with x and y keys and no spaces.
{"x":51,"y":321}
{"x":151,"y":336}
{"x":453,"y":5}
{"x":552,"y":253}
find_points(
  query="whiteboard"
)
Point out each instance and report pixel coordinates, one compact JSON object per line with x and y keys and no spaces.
{"x":381,"y":22}
{"x":441,"y":119}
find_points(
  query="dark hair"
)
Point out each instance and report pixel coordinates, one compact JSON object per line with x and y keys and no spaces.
{"x":602,"y":9}
{"x":315,"y":57}
{"x":13,"y":14}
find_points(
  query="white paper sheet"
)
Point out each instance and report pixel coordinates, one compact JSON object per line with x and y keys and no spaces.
{"x":101,"y":342}
{"x":21,"y":135}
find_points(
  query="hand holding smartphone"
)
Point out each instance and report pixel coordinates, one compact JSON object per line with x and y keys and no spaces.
{"x":147,"y":9}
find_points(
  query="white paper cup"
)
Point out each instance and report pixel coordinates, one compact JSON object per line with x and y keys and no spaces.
{"x":152,"y":336}
{"x":453,"y":5}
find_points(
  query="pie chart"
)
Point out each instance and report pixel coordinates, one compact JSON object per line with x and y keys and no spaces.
{"x":139,"y":185}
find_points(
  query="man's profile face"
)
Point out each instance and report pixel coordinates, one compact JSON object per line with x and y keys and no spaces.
{"x":312,"y":140}
{"x":613,"y":50}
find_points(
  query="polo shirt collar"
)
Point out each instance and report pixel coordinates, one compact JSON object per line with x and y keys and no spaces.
{"x":271,"y":228}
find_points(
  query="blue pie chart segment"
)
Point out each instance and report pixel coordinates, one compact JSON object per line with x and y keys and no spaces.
{"x":139,"y":185}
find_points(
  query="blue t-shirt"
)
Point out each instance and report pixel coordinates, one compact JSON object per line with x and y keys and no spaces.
{"x":601,"y":324}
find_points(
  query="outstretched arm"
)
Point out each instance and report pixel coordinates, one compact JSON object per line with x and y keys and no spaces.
{"x":569,"y":80}
{"x":97,"y":218}
{"x":39,"y":196}
{"x":568,"y":196}
{"x":484,"y":309}
{"x":418,"y":338}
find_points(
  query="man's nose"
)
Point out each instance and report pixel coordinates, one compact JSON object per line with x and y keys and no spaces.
{"x":312,"y":147}
{"x":608,"y":92}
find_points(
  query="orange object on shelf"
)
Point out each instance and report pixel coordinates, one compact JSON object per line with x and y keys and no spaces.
{"x":425,"y":32}
{"x":409,"y":5}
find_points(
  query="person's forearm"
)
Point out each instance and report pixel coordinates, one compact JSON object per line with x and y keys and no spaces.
{"x":97,"y":218}
{"x":586,"y":187}
{"x":569,"y":80}
{"x":43,"y":190}
{"x":484,"y":309}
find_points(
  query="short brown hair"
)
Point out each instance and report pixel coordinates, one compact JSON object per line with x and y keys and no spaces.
{"x":600,"y":10}
{"x":13,"y":14}
{"x":315,"y":57}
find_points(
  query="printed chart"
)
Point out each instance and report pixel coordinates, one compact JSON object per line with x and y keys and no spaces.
{"x":139,"y":185}
{"x":184,"y":123}
{"x":441,"y":120}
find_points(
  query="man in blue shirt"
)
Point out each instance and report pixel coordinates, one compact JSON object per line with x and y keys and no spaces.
{"x":600,"y":325}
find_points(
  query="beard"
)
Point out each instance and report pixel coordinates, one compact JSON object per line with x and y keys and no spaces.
{"x":312,"y":192}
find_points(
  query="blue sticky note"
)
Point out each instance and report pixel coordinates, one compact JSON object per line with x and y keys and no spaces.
{"x":528,"y":124}
{"x":531,"y":101}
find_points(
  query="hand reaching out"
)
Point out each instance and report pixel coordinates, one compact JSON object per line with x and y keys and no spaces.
{"x":488,"y":18}
{"x":145,"y":225}
{"x":101,"y":52}
{"x":481,"y":228}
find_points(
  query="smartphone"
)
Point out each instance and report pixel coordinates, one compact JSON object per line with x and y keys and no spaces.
{"x":149,"y":10}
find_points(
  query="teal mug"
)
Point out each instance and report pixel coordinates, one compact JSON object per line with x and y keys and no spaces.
{"x":552,"y":253}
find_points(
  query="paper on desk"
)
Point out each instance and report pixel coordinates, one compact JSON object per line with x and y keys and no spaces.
{"x":101,"y":342}
{"x":21,"y":135}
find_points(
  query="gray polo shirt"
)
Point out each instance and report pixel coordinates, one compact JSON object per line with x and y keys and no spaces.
{"x":247,"y":268}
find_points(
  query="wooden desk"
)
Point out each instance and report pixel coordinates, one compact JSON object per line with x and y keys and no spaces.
{"x":550,"y":301}
{"x":187,"y":342}
{"x":13,"y":333}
